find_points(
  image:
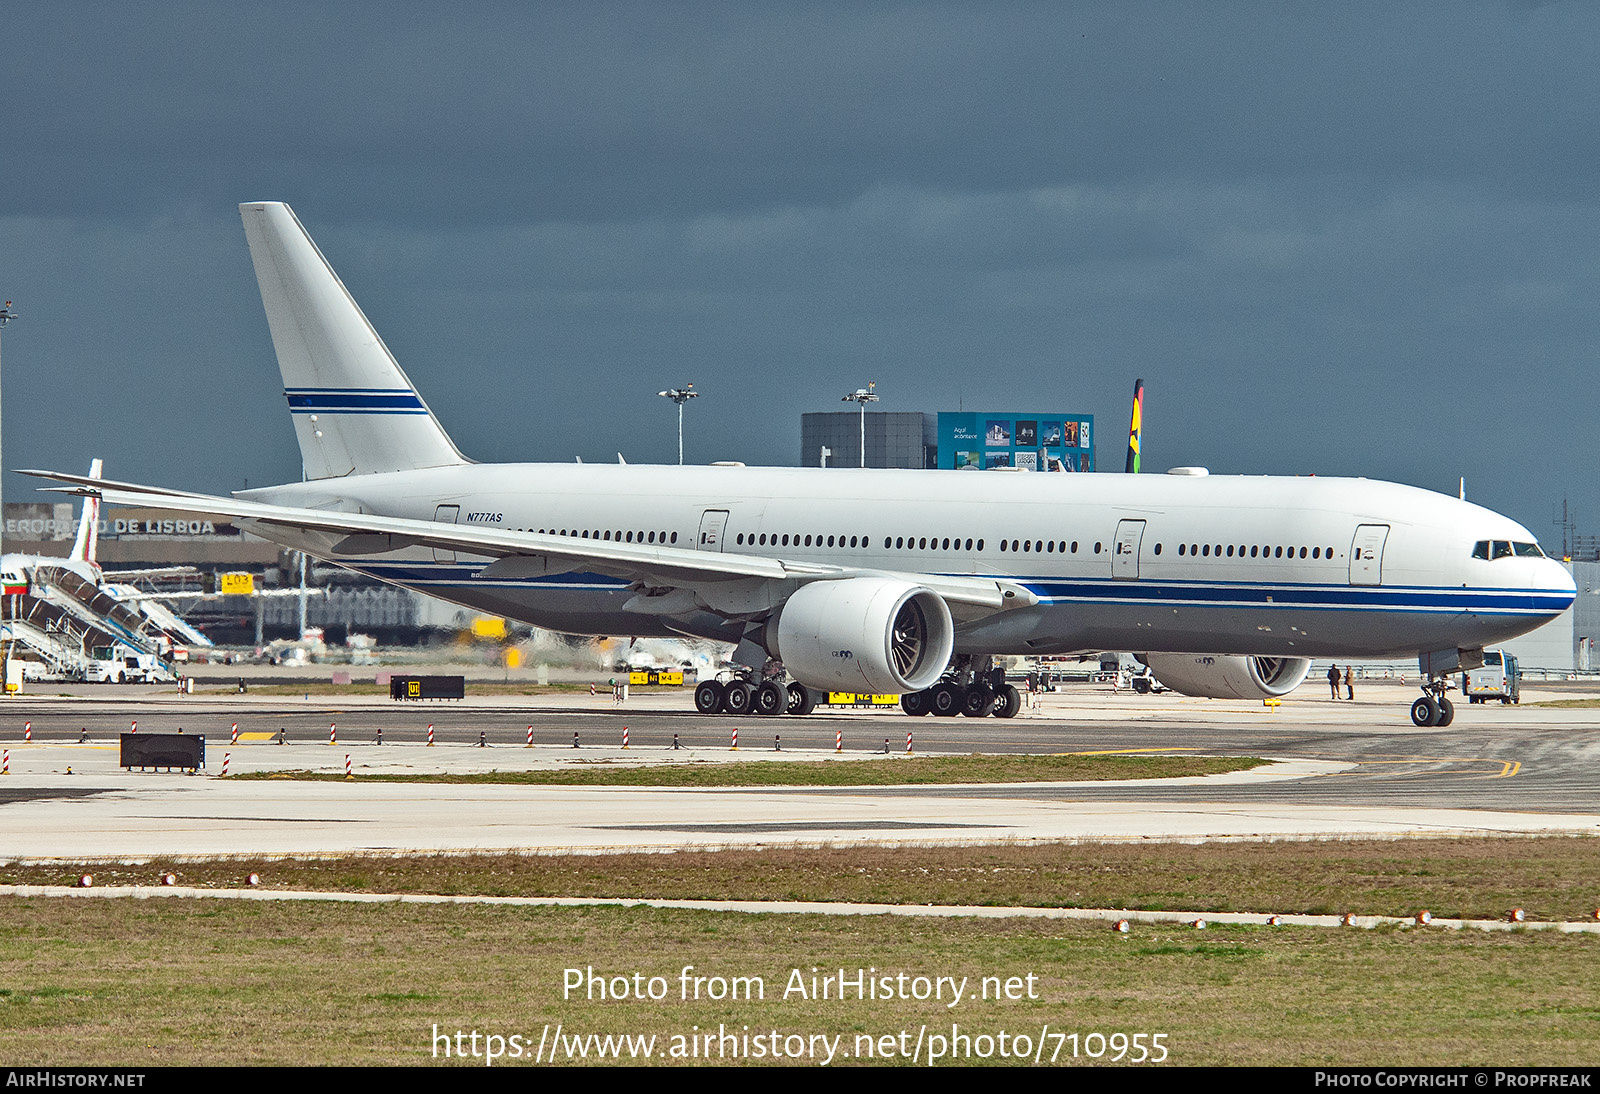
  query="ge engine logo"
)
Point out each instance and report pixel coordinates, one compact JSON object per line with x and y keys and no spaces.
{"x":844,"y":655}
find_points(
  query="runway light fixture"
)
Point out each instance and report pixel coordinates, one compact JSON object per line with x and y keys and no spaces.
{"x":863,"y":396}
{"x":680,"y":395}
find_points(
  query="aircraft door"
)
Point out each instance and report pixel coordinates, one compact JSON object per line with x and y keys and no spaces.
{"x":445,"y":514}
{"x":712,"y":523}
{"x":1125,"y":551}
{"x":1366,"y":554}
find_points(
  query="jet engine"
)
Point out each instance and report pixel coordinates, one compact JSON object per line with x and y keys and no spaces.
{"x":1221,"y":677}
{"x":863,"y":634}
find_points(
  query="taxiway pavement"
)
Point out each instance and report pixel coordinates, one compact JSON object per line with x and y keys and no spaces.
{"x":1344,"y":769}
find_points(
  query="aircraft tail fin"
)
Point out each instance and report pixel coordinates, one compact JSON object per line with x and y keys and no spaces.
{"x":1135,"y":427}
{"x":88,"y":541}
{"x":354,"y":409}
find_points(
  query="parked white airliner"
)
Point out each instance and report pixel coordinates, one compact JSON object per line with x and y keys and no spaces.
{"x":865,"y":580}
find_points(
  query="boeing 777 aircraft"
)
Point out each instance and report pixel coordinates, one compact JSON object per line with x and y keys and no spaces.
{"x":901,"y":582}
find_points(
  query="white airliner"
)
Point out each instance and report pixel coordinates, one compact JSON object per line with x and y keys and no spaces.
{"x":902,"y":582}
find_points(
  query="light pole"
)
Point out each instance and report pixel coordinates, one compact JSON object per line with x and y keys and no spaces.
{"x":6,"y":316}
{"x":863,"y":396}
{"x":680,"y":395}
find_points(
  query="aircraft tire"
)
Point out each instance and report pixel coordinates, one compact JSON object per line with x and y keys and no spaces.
{"x":738,"y":698}
{"x":1447,"y":712}
{"x":771,"y":699}
{"x":948,"y":700}
{"x":708,"y":697}
{"x":979,"y":702}
{"x":802,"y":700}
{"x":1008,"y":702}
{"x":916,"y":703}
{"x":1425,"y":712}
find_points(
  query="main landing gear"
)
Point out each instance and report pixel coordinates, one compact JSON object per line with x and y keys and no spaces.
{"x":768,"y":698}
{"x":974,"y":691}
{"x":1433,"y":709}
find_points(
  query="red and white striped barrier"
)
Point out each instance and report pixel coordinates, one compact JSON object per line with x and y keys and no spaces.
{"x":347,"y":772}
{"x":225,"y":756}
{"x":624,"y":736}
{"x":530,"y":736}
{"x":333,"y":733}
{"x":27,"y":731}
{"x":908,"y":742}
{"x":5,"y":764}
{"x":134,"y":728}
{"x":735,"y":747}
{"x":591,"y":690}
{"x":430,"y":734}
{"x":234,"y":739}
{"x":838,"y":740}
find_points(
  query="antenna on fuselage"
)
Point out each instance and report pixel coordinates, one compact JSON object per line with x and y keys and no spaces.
{"x":1134,"y":426}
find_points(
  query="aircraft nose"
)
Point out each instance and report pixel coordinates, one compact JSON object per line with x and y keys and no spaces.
{"x":1555,"y":578}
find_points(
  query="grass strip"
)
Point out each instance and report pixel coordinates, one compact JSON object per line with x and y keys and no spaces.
{"x":131,"y":983}
{"x":888,"y":771}
{"x":1480,"y":878}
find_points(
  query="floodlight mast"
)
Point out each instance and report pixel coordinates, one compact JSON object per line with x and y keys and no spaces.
{"x":6,"y":316}
{"x":863,"y":396}
{"x":680,"y":395}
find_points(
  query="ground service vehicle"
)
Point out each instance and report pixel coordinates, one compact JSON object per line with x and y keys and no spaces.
{"x":1500,"y":678}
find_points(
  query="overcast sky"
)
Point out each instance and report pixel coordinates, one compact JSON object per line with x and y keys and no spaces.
{"x":1358,"y":239}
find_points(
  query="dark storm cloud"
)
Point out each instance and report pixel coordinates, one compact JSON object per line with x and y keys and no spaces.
{"x":1344,"y":238}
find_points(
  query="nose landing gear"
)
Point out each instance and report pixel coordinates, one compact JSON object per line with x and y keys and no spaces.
{"x":1433,"y":709}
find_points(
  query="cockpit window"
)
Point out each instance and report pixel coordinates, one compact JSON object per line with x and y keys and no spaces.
{"x":1489,"y":549}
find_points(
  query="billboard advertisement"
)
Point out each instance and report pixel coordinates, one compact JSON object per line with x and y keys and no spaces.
{"x":1045,"y":441}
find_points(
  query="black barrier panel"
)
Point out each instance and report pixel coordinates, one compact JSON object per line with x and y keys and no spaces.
{"x":163,"y":750}
{"x":427,"y":687}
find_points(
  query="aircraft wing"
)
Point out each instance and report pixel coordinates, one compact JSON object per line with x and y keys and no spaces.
{"x":511,"y":554}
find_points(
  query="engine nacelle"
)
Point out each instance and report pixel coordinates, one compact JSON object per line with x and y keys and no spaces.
{"x":1223,"y":677}
{"x":863,"y":634}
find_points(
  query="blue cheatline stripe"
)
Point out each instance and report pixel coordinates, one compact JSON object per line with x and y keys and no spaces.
{"x":1332,"y":597}
{"x":353,"y":400}
{"x":1299,"y":597}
